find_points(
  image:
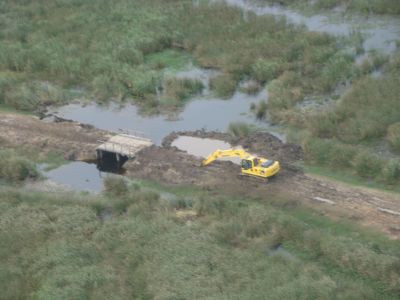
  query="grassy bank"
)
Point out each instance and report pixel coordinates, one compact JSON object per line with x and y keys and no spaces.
{"x":349,"y":177}
{"x":15,"y":168}
{"x":390,"y":7}
{"x":360,"y":132}
{"x":22,"y":163}
{"x":129,"y":243}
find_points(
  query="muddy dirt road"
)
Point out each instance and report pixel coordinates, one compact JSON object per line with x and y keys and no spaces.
{"x":168,"y":165}
{"x":75,"y":141}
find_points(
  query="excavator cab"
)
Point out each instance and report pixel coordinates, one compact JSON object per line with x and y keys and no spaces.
{"x":247,"y":164}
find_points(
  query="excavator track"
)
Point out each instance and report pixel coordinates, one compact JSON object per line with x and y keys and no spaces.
{"x":252,"y":178}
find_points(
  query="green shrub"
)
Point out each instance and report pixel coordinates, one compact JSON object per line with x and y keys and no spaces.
{"x":367,"y":165}
{"x":284,"y":92}
{"x":209,"y":206}
{"x":391,"y":171}
{"x":178,"y":90}
{"x":342,"y":155}
{"x":223,"y":85}
{"x":14,"y":168}
{"x":317,"y":150}
{"x":322,"y":124}
{"x":115,"y":186}
{"x":393,"y":136}
{"x":264,"y":71}
{"x":239,"y":129}
{"x":339,"y":67}
{"x":261,"y":110}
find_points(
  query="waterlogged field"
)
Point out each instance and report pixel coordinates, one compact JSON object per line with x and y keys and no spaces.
{"x":135,"y":51}
{"x":55,"y":51}
{"x":133,"y":243}
{"x":202,"y":64}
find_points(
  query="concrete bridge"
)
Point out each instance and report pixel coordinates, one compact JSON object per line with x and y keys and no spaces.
{"x":114,"y":152}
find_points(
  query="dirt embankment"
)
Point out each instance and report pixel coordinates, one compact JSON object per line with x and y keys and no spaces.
{"x":177,"y":167}
{"x":169,"y":165}
{"x":172,"y":166}
{"x":75,"y":141}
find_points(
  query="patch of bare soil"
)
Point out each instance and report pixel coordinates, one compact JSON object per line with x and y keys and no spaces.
{"x":172,"y":166}
{"x":76,"y":141}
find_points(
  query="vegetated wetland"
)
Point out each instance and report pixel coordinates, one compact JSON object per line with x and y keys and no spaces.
{"x":158,"y":67}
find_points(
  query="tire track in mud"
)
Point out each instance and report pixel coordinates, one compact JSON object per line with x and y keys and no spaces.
{"x":74,"y":140}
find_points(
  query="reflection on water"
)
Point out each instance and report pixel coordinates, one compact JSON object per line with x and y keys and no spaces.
{"x":204,"y":75}
{"x":200,"y":113}
{"x":79,"y":176}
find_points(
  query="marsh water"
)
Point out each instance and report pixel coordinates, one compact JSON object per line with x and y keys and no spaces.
{"x":379,"y":32}
{"x":78,"y":176}
{"x":203,"y":112}
{"x":206,"y":111}
{"x":202,"y":147}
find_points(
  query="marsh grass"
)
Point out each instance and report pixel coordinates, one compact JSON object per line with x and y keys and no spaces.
{"x":357,"y":159}
{"x":366,"y":115}
{"x":177,"y":90}
{"x":14,"y":168}
{"x":240,"y":130}
{"x":142,"y":250}
{"x":121,"y":52}
{"x":223,"y":85}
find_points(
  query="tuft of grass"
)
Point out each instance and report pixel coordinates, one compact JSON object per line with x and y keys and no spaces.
{"x":115,"y":186}
{"x":169,"y":58}
{"x":223,"y":85}
{"x":14,"y":168}
{"x":177,"y":90}
{"x":240,"y":129}
{"x":393,"y":136}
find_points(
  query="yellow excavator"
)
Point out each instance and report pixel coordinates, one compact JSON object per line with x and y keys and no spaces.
{"x":251,"y":165}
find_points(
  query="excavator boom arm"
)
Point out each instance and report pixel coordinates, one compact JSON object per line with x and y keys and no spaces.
{"x":224,"y":153}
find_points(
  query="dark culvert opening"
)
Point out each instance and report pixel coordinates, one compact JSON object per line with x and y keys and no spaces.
{"x":110,"y":161}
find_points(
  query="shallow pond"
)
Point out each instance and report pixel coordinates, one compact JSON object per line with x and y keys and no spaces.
{"x":201,"y":113}
{"x":78,"y":176}
{"x":202,"y":147}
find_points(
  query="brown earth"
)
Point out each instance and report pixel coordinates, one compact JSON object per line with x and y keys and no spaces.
{"x":335,"y":199}
{"x":74,"y":140}
{"x":168,"y":165}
